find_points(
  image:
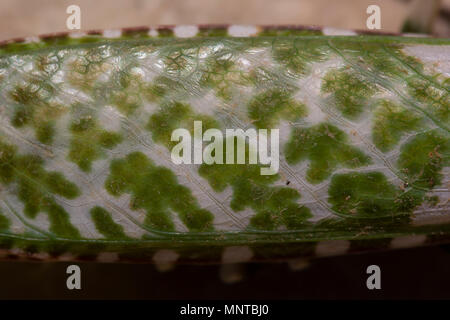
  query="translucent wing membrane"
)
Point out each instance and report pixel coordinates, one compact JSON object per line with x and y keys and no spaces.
{"x":87,"y":142}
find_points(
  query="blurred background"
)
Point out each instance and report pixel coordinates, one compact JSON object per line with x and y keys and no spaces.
{"x":20,"y":18}
{"x":421,"y":273}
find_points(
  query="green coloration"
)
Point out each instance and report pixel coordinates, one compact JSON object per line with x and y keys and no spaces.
{"x":254,"y":79}
{"x":288,"y":32}
{"x":89,"y":142}
{"x":411,"y":26}
{"x":432,"y":201}
{"x":135,"y":34}
{"x":45,"y":132}
{"x":435,"y":98}
{"x":173,"y":116}
{"x":274,"y":206}
{"x":106,"y":225}
{"x":33,"y":107}
{"x":161,"y":87}
{"x":296,"y":56}
{"x":85,"y":70}
{"x":180,"y":61}
{"x":222,"y":74}
{"x":130,"y":94}
{"x":59,"y":221}
{"x":212,"y":32}
{"x":36,"y":187}
{"x":326,"y":147}
{"x":385,"y":59}
{"x":390,"y":123}
{"x":4,"y":223}
{"x":365,"y":195}
{"x":266,"y":109}
{"x":165,"y":33}
{"x":423,"y":157}
{"x":350,"y":93}
{"x":156,"y":190}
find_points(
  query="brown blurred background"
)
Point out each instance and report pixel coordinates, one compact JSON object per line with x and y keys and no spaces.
{"x":32,"y":17}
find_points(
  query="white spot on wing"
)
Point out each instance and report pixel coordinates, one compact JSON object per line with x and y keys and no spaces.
{"x":112,"y":33}
{"x":338,"y":32}
{"x":76,"y":35}
{"x":433,"y":56}
{"x":242,"y":31}
{"x":185,"y":31}
{"x":153,"y":33}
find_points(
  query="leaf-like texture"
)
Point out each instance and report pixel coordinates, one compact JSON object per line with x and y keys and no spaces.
{"x":87,"y":165}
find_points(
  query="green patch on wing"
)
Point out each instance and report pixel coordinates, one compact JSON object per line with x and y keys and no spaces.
{"x":176,"y":115}
{"x":37,"y":188}
{"x":327,"y":148}
{"x":33,"y":106}
{"x":297,"y":55}
{"x":105,"y":224}
{"x":89,"y":141}
{"x":156,"y":190}
{"x":434,"y":97}
{"x":4,"y":223}
{"x":423,"y":157}
{"x":267,"y":108}
{"x":274,"y":206}
{"x":391,"y":122}
{"x":222,"y":75}
{"x":350,"y":92}
{"x":368,"y":195}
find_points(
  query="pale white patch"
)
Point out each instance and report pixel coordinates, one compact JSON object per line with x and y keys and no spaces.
{"x":332,"y":247}
{"x":32,"y":39}
{"x":179,"y":225}
{"x":338,"y":32}
{"x":185,"y":31}
{"x":416,"y":35}
{"x":435,"y":57}
{"x":137,"y":71}
{"x":109,"y":118}
{"x":18,"y":229}
{"x":153,"y":33}
{"x":285,"y":131}
{"x":237,"y":254}
{"x":205,"y":104}
{"x":58,"y":77}
{"x":424,"y":216}
{"x":310,"y":90}
{"x":408,"y":241}
{"x":27,"y":67}
{"x":112,"y":33}
{"x":76,"y":35}
{"x":242,"y":31}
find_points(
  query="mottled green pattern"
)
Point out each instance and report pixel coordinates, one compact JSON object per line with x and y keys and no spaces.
{"x":326,"y":147}
{"x":86,"y":124}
